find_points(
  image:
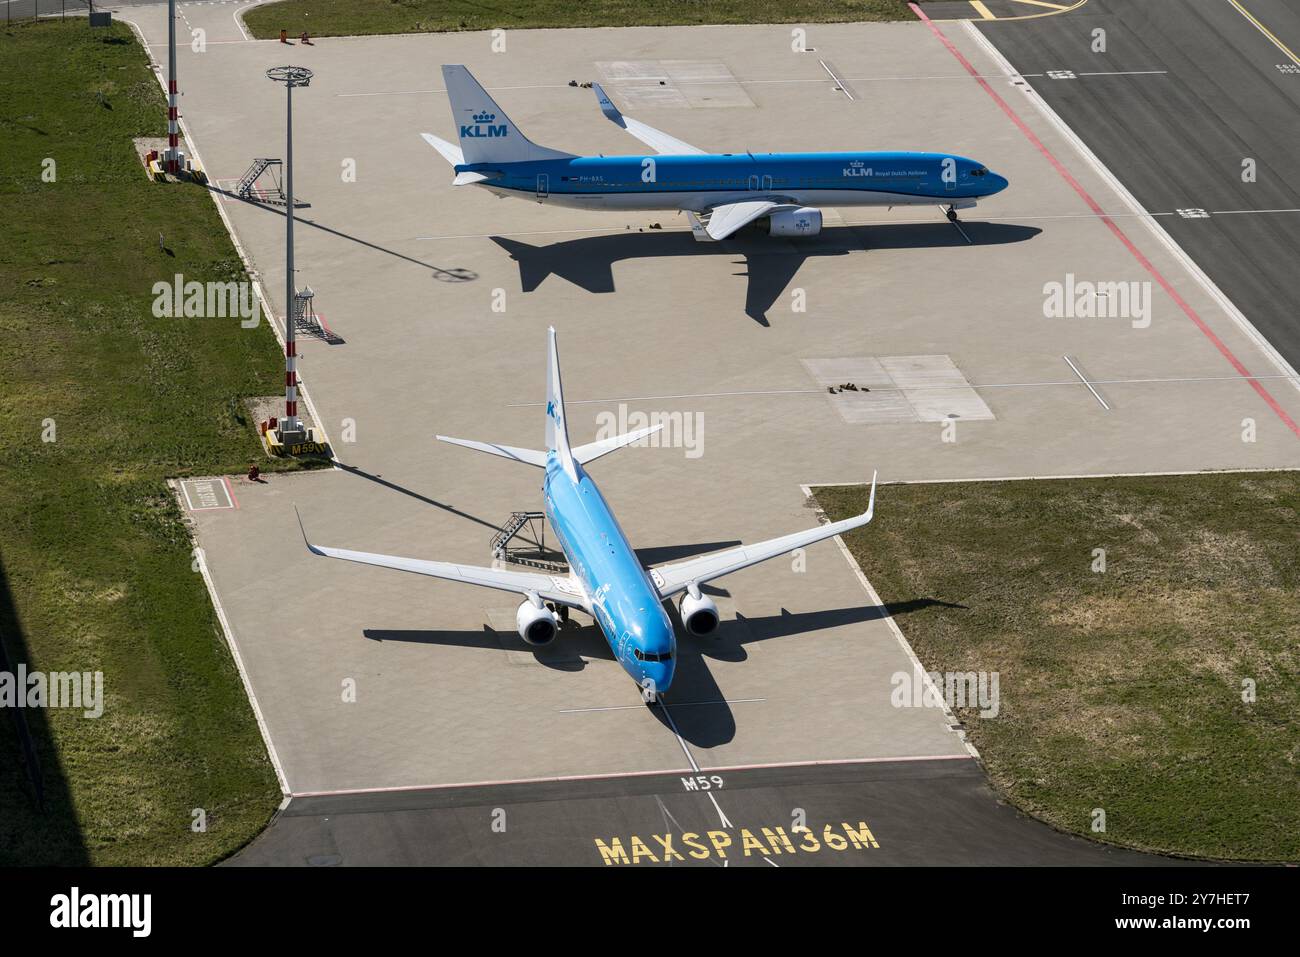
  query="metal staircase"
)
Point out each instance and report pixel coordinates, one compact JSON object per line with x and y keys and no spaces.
{"x":536,"y":556}
{"x":247,"y":188}
{"x":307,"y":323}
{"x":244,"y":188}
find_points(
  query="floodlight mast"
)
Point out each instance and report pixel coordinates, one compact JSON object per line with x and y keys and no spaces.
{"x":290,"y":76}
{"x":171,"y":161}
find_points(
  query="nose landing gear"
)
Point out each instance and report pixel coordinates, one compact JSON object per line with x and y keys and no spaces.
{"x":649,"y":694}
{"x":951,"y":213}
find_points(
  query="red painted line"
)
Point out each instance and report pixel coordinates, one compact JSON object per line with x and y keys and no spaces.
{"x":231,"y":490}
{"x":1146,"y":264}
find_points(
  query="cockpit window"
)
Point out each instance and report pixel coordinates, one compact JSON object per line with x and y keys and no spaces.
{"x":651,"y":656}
{"x":981,"y":171}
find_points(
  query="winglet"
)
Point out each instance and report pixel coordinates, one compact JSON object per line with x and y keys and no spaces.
{"x":310,"y":547}
{"x":607,"y":106}
{"x":657,"y":140}
{"x":871,"y":502}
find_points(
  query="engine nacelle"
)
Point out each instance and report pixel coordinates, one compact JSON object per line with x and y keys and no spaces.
{"x":537,"y":626}
{"x":699,"y":614}
{"x":804,"y":221}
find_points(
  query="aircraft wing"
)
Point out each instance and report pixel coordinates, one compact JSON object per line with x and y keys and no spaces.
{"x":657,"y":140}
{"x":555,"y":588}
{"x":679,"y":576}
{"x":725,"y":220}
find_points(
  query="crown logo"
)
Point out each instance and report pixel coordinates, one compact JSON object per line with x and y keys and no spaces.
{"x":484,"y":117}
{"x":857,"y":164}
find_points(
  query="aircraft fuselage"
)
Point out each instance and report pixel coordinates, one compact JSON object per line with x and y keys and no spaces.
{"x":624,"y":602}
{"x":699,"y":182}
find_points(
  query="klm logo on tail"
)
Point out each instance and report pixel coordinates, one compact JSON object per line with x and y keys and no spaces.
{"x":483,"y":127}
{"x":553,"y":412}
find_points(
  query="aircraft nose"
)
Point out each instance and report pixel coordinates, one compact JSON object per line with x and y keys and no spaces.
{"x":999,"y":182}
{"x":661,"y":673}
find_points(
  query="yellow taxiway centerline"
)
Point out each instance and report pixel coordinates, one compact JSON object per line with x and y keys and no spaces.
{"x":1266,"y":31}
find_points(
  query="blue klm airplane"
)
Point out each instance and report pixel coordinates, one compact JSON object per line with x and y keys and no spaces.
{"x":606,"y":579}
{"x":720,"y":193}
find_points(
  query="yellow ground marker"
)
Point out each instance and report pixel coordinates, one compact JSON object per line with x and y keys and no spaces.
{"x":1266,"y":31}
{"x":1049,"y":10}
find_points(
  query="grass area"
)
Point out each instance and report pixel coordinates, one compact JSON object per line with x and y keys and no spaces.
{"x":328,"y":18}
{"x":1120,"y":690}
{"x":93,"y":547}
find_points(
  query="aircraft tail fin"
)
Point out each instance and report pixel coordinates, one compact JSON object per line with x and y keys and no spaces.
{"x":557,"y":429}
{"x":486,"y":134}
{"x":557,"y":422}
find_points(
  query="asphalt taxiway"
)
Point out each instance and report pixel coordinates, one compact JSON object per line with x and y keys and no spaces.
{"x":1195,"y":106}
{"x":855,"y":815}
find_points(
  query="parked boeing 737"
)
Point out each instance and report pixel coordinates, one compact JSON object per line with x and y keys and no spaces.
{"x":719,"y":192}
{"x":606,"y":579}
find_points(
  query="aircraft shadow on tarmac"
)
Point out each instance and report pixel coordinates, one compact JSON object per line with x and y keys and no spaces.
{"x":700,"y":713}
{"x":770,"y":264}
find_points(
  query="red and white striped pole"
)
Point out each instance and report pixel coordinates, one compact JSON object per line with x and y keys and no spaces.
{"x":290,"y":423}
{"x":172,"y":158}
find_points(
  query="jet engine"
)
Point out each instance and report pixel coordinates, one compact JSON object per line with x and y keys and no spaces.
{"x":537,"y":626}
{"x":804,"y":221}
{"x":699,"y":613}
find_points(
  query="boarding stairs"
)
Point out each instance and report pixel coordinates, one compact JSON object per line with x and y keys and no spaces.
{"x":247,"y":188}
{"x":307,"y":323}
{"x":244,"y":189}
{"x":535,"y":556}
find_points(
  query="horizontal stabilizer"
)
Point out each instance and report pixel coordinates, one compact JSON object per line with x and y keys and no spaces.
{"x":594,"y":450}
{"x":582,"y":454}
{"x":468,"y":178}
{"x":527,"y":456}
{"x":450,"y":151}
